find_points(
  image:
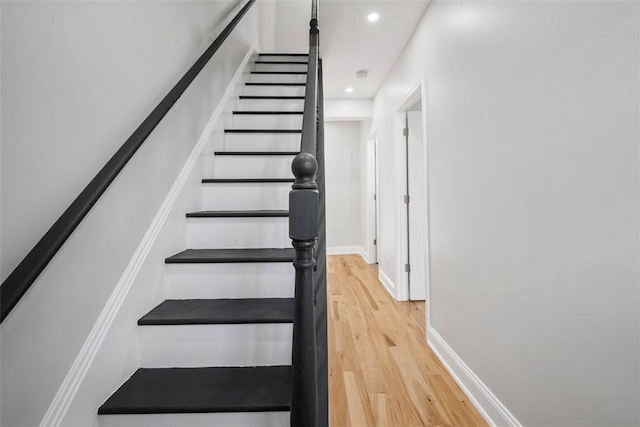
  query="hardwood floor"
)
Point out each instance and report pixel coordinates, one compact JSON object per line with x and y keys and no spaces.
{"x":381,"y":370}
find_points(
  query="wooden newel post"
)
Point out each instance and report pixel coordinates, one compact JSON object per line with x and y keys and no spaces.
{"x":303,"y":230}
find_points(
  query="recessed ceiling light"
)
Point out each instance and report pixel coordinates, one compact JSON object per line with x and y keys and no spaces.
{"x":373,"y":17}
{"x":349,"y":89}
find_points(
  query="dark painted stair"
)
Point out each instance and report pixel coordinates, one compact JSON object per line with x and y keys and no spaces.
{"x":206,"y":389}
{"x":198,"y":390}
{"x":220,"y":312}
{"x":263,"y":130}
{"x":246,"y":180}
{"x":270,"y":97}
{"x":274,"y":84}
{"x":191,"y":256}
{"x":238,"y":214}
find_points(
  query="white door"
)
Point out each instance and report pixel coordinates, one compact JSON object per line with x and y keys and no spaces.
{"x":417,"y":213}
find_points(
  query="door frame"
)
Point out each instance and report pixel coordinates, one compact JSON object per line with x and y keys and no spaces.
{"x":373,"y":206}
{"x":417,"y":91}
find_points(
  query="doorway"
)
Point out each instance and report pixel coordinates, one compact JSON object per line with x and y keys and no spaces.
{"x":372,"y":205}
{"x":413,"y":224}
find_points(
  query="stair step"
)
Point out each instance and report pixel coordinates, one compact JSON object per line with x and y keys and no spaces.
{"x":239,"y":214}
{"x":220,"y":311}
{"x":246,"y":180}
{"x":279,"y":72}
{"x":257,"y":153}
{"x":190,"y":256}
{"x":261,"y":142}
{"x":266,"y":121}
{"x":278,"y":77}
{"x":263,"y":130}
{"x":240,"y":344}
{"x":246,"y":194}
{"x":238,"y":233}
{"x":199,"y":390}
{"x":283,"y":62}
{"x":254,"y":166}
{"x":274,"y":84}
{"x":270,"y":97}
{"x":266,"y":112}
{"x":283,"y":54}
{"x":220,"y":281}
{"x":287,"y":67}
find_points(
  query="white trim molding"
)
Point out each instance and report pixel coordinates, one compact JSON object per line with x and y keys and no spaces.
{"x":76,"y":375}
{"x":386,"y":281}
{"x":489,"y":406}
{"x":346,"y":250}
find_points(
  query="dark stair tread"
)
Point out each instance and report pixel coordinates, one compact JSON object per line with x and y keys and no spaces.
{"x":283,"y":54}
{"x":268,"y":112}
{"x":263,"y":130}
{"x":257,"y":153}
{"x":197,"y":256}
{"x":220,"y":312}
{"x":270,"y":97}
{"x":201,"y":390}
{"x":279,"y":72}
{"x":238,"y":214}
{"x":274,"y":84}
{"x":246,"y":180}
{"x":282,"y":62}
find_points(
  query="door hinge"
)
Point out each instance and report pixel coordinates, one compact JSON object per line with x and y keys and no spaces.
{"x":375,"y":242}
{"x":405,"y":132}
{"x":407,"y":268}
{"x":406,"y":199}
{"x":375,"y":197}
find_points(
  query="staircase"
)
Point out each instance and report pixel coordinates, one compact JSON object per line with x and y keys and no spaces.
{"x":217,"y":352}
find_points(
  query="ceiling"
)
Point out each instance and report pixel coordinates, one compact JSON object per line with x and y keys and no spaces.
{"x":348,"y":41}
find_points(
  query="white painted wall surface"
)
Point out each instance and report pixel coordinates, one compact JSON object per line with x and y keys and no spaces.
{"x":344,"y":162}
{"x":292,"y":26}
{"x":532,"y":129}
{"x":348,"y":109}
{"x":77,"y":78}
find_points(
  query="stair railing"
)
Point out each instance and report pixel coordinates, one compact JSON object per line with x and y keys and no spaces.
{"x":26,"y":273}
{"x":306,"y":229}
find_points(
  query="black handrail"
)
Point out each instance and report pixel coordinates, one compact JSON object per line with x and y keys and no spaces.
{"x":25,"y":274}
{"x":309,"y":400}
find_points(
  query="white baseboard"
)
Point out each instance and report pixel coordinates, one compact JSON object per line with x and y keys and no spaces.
{"x":76,"y":375}
{"x":492,"y":409}
{"x":345,"y":250}
{"x":387,"y":282}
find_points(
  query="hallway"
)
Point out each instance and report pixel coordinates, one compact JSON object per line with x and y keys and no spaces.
{"x":381,"y":370}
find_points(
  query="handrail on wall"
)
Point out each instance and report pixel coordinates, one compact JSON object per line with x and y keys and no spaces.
{"x":25,"y":274}
{"x":306,"y":229}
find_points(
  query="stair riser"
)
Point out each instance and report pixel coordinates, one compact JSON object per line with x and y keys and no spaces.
{"x":233,"y":419}
{"x":277,"y":78}
{"x":273,"y":90}
{"x":178,"y":346}
{"x":271,"y":104}
{"x":252,"y":167}
{"x":213,"y":233}
{"x":246,"y":196}
{"x":267,"y":121}
{"x":281,"y":67}
{"x":217,"y":281}
{"x":261,"y":142}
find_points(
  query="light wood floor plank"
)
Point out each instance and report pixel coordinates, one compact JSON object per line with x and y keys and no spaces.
{"x":381,"y":370}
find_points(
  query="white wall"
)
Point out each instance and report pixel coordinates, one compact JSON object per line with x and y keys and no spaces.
{"x":77,"y":78}
{"x":344,"y":163}
{"x":532,"y":129}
